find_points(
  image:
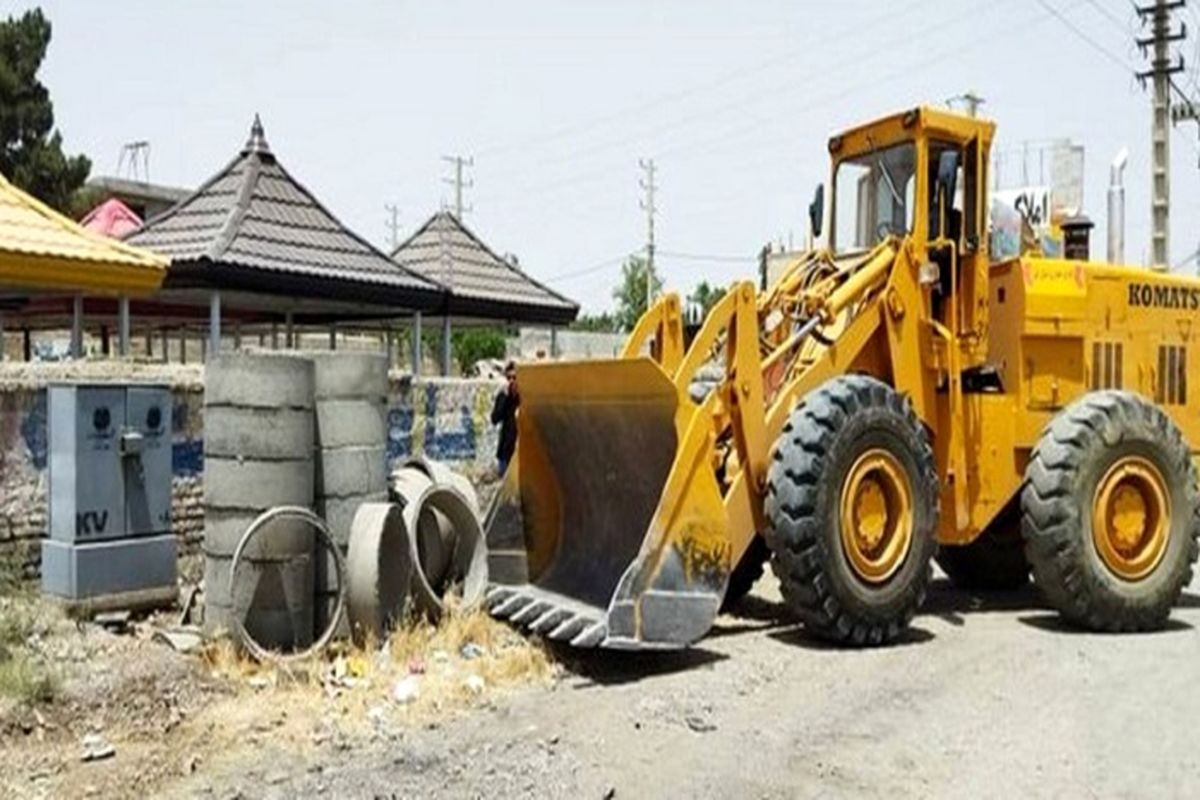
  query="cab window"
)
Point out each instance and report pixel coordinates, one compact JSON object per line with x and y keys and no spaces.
{"x":874,"y":196}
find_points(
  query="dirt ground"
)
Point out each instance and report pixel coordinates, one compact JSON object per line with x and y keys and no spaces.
{"x":989,"y":697}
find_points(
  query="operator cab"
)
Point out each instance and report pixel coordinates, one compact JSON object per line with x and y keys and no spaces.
{"x":921,"y":175}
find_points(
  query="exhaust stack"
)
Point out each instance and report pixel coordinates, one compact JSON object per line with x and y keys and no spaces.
{"x":1116,"y":208}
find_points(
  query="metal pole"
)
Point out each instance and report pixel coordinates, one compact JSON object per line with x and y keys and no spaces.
{"x":77,"y":327}
{"x":183,"y":345}
{"x":553,"y":342}
{"x":416,"y":345}
{"x":389,"y":343}
{"x":290,"y":330}
{"x":3,"y":356}
{"x":214,"y":324}
{"x":28,"y":344}
{"x":333,"y":336}
{"x":237,"y":336}
{"x":166,"y":346}
{"x":274,"y":335}
{"x":446,"y":346}
{"x":149,"y":344}
{"x":123,"y":327}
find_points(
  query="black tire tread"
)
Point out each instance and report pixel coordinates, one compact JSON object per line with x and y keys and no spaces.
{"x":1051,"y":515}
{"x":795,"y":480}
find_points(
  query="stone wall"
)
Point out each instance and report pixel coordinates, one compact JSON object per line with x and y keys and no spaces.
{"x":444,"y":418}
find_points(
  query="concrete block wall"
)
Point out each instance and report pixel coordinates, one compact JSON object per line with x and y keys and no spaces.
{"x":444,"y":418}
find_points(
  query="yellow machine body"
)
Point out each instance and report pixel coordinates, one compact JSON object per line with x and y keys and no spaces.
{"x":629,"y":502}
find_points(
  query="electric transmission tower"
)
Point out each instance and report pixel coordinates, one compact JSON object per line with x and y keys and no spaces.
{"x":393,"y":223}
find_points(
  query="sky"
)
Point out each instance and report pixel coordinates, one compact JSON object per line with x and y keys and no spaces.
{"x":557,"y":102}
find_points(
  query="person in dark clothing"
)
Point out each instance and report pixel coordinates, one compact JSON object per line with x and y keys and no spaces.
{"x":504,"y":414}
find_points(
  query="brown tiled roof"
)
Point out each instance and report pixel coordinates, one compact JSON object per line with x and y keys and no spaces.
{"x":481,"y":283}
{"x":253,"y":220}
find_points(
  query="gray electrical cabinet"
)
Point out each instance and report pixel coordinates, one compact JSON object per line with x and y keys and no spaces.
{"x":110,"y":540}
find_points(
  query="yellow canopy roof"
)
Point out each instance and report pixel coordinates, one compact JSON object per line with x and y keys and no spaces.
{"x":42,"y":249}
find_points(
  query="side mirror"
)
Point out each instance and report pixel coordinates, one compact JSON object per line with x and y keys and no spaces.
{"x":816,"y":211}
{"x":947,"y":183}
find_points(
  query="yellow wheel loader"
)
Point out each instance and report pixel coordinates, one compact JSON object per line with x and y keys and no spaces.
{"x":891,"y":399}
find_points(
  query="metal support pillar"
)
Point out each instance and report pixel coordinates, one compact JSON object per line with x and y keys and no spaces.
{"x":237,"y":336}
{"x":389,"y":344}
{"x":274,"y":335}
{"x":183,"y":345}
{"x":445,"y":345}
{"x":416,"y":345}
{"x":123,"y":327}
{"x":214,"y":325}
{"x":332,"y":336}
{"x":28,"y":344}
{"x":553,"y":343}
{"x":77,"y":327}
{"x":290,"y":333}
{"x":166,"y":345}
{"x":149,"y":344}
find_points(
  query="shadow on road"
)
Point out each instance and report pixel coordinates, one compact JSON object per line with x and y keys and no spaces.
{"x":611,"y":667}
{"x":950,"y":603}
{"x":1052,"y":622}
{"x":799,"y":637}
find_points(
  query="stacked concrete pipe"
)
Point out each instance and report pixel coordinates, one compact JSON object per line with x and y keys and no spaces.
{"x":350,"y":451}
{"x":258,"y":445}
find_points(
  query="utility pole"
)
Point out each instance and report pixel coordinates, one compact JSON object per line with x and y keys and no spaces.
{"x":1161,"y":70}
{"x":458,"y":163}
{"x":393,"y":223}
{"x":970,"y":100}
{"x":650,"y":187}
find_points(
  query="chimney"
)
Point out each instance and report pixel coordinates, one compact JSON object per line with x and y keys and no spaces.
{"x":1116,"y":208}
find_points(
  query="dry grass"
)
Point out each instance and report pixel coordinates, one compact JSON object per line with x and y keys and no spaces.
{"x":24,"y":677}
{"x":355,"y":686}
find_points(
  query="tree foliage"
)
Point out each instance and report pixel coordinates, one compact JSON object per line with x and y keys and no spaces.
{"x":470,"y":345}
{"x":31,"y":153}
{"x":595,"y":323}
{"x":706,"y":296}
{"x":630,"y":293}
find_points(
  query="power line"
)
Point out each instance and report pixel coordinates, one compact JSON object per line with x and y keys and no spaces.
{"x":608,"y":262}
{"x":716,"y":259}
{"x":1108,"y":15}
{"x":1092,"y":43}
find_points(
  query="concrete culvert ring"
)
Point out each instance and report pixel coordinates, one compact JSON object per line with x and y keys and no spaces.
{"x":238,"y":627}
{"x":379,"y":568}
{"x":439,"y":473}
{"x":467,"y":573}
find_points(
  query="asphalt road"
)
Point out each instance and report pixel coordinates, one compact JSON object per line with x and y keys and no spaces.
{"x":988,"y":697}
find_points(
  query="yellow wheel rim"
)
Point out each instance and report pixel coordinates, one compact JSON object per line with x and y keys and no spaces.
{"x":1130,"y":518}
{"x":876,"y":516}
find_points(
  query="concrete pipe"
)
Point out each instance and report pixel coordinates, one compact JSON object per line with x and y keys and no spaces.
{"x":247,"y":483}
{"x":273,"y":598}
{"x":352,"y":422}
{"x":280,"y":540}
{"x":467,"y":576}
{"x":434,"y":536}
{"x":347,"y":471}
{"x":263,"y":433}
{"x":338,"y":513}
{"x":439,"y":473}
{"x":242,"y":632}
{"x":378,"y":571}
{"x":349,"y":375}
{"x":259,"y":380}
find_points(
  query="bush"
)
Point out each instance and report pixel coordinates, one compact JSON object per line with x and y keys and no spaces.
{"x":474,"y":344}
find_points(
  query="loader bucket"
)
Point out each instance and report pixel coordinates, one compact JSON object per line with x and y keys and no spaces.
{"x":581,"y":546}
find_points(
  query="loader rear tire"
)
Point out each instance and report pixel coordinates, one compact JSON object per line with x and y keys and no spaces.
{"x":1110,"y":513}
{"x":852,"y":508}
{"x":995,"y":562}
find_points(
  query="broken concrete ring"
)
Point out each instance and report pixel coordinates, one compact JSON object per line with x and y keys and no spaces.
{"x":239,"y":628}
{"x":434,"y":535}
{"x":379,"y":569}
{"x":469,"y":557}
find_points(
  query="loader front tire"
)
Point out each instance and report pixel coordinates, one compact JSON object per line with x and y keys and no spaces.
{"x":1110,"y":513}
{"x":852,"y":510}
{"x":747,"y":572}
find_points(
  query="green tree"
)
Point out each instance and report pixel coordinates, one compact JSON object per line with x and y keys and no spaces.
{"x":603,"y":323}
{"x":630,"y":294}
{"x":474,"y":344}
{"x":31,"y":154}
{"x":706,"y":296}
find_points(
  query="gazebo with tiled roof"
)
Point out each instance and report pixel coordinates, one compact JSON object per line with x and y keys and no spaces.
{"x":254,"y":242}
